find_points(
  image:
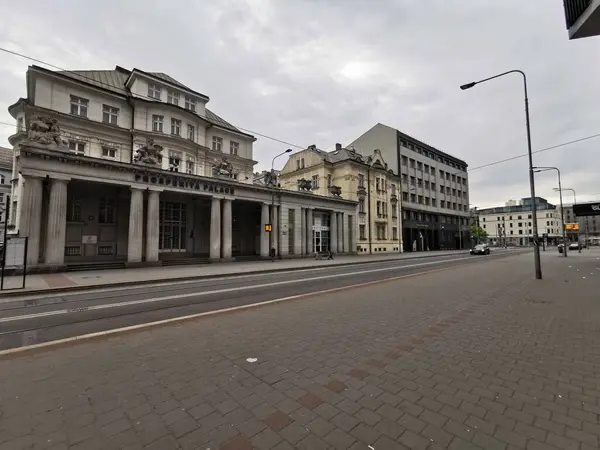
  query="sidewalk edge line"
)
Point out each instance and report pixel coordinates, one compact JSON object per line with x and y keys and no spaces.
{"x":91,"y":287}
{"x":19,"y":351}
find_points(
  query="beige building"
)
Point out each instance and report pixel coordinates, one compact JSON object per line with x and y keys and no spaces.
{"x":366,"y":179}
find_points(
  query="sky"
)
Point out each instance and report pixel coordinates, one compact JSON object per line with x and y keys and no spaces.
{"x":325,"y":71}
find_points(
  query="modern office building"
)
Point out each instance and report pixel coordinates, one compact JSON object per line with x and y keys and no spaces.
{"x":512,"y":225}
{"x":366,"y":179}
{"x":582,"y":18}
{"x":130,"y":167}
{"x":435,"y":189}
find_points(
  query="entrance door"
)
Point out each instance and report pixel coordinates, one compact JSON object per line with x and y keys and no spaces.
{"x":172,"y":227}
{"x":317,"y":242}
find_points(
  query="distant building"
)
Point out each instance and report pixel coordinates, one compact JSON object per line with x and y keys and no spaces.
{"x":435,"y":188}
{"x":589,"y":226}
{"x":366,"y":179}
{"x":582,"y":18}
{"x":6,"y":167}
{"x":511,"y":224}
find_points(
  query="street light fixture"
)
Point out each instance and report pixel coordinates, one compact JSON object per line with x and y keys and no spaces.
{"x":562,"y":211}
{"x":273,"y":182}
{"x":536,"y":247}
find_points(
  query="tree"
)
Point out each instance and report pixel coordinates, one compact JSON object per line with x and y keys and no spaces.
{"x":478,"y":233}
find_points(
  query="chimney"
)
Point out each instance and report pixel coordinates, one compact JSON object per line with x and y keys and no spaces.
{"x":338,"y":146}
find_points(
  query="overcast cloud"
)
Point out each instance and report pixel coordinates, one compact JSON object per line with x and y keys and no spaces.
{"x":324,"y":71}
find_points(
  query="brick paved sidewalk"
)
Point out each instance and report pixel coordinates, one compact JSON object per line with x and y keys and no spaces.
{"x":477,"y":357}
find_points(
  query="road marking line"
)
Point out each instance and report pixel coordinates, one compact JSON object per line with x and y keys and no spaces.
{"x":217,"y":291}
{"x":116,"y":331}
{"x":32,"y":295}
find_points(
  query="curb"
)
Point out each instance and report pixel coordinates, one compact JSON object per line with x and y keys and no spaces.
{"x":89,"y":287}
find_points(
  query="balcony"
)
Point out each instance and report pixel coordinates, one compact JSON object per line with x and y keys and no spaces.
{"x":582,"y":18}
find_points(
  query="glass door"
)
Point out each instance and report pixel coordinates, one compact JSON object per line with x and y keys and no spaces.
{"x":317,"y":241}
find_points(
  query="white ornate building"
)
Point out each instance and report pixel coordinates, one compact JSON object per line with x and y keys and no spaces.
{"x":130,"y":166}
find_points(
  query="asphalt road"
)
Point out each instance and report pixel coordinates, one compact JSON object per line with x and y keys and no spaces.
{"x":52,"y":317}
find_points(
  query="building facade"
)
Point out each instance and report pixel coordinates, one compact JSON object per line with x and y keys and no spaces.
{"x":511,"y":224}
{"x":435,"y":189}
{"x":6,"y":162}
{"x":367,"y":180}
{"x":582,"y":18}
{"x":589,"y":227}
{"x":130,"y":166}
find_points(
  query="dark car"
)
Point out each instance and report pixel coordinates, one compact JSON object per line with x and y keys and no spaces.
{"x":480,"y":249}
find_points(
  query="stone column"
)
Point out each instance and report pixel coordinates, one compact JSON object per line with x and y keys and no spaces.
{"x":215,"y":229}
{"x":152,"y":226}
{"x":309,"y":235}
{"x":264,"y":235}
{"x":347,"y":234}
{"x":276,"y":228}
{"x":56,"y":228}
{"x":340,"y":224}
{"x":302,"y":239}
{"x":352,"y":232}
{"x":136,"y":226}
{"x":298,"y":230}
{"x":227,"y":229}
{"x":30,"y":221}
{"x":333,"y":232}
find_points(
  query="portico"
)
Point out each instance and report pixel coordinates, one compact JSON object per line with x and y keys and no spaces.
{"x":78,"y":210}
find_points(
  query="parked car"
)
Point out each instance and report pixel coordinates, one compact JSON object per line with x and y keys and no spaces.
{"x":574,"y":246}
{"x":480,"y":249}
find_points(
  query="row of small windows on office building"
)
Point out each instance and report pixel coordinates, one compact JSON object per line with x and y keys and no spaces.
{"x":433,"y":218}
{"x":380,"y":232}
{"x":522,"y":224}
{"x":422,"y":200}
{"x":427,"y":169}
{"x":418,"y":182}
{"x":422,"y":151}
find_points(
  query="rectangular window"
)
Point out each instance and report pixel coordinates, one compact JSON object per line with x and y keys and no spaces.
{"x":189,"y":166}
{"x":419,"y":166}
{"x":394,"y":233}
{"x":217,"y":144}
{"x":190,"y":103}
{"x":404,"y":161}
{"x":448,"y":176}
{"x":77,"y":148}
{"x":154,"y":91}
{"x":79,"y":106}
{"x":393,"y":189}
{"x":442,"y":204}
{"x":110,"y":114}
{"x":412,"y":163}
{"x":315,"y":181}
{"x":361,"y":205}
{"x":174,"y":161}
{"x":74,"y":212}
{"x":106,"y":212}
{"x":191,"y":133}
{"x":297,"y":164}
{"x":454,"y":178}
{"x":433,"y":202}
{"x":442,"y":189}
{"x":433,"y":186}
{"x":377,"y":184}
{"x":404,"y":178}
{"x":362,"y":235}
{"x":173,"y":97}
{"x":454,"y":192}
{"x":329,"y":180}
{"x":176,"y":127}
{"x":157,"y":123}
{"x":361,"y":180}
{"x":412,"y":181}
{"x":405,"y":196}
{"x":420,"y":199}
{"x":302,"y":163}
{"x":234,"y":147}
{"x":413,"y":198}
{"x":108,"y":152}
{"x":427,"y":201}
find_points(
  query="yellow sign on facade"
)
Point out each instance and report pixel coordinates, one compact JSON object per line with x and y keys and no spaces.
{"x":572,"y":226}
{"x":268,"y":227}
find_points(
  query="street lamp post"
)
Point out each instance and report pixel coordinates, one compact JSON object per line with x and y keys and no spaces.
{"x":272,"y":212}
{"x":536,"y":247}
{"x":562,"y":211}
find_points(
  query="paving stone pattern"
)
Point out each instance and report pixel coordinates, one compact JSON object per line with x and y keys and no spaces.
{"x":477,"y":357}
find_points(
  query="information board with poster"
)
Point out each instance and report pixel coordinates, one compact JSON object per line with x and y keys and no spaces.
{"x":14,"y":258}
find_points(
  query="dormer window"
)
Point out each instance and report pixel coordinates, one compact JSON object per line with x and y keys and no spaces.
{"x":173,"y":98}
{"x":190,"y":103}
{"x":154,"y":91}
